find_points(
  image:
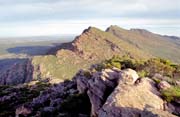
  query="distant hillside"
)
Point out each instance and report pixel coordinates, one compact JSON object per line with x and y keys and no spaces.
{"x":31,"y":45}
{"x":92,"y":46}
{"x":158,"y":45}
{"x":16,"y":53}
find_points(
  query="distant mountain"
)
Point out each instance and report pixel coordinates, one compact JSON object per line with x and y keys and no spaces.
{"x":172,"y":37}
{"x":92,"y":46}
{"x":157,"y":45}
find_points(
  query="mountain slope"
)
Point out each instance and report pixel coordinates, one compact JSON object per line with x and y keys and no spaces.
{"x":157,"y":45}
{"x":92,"y":46}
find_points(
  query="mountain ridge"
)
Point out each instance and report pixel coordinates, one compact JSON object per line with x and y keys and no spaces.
{"x":94,"y":46}
{"x":152,"y":43}
{"x":100,"y":73}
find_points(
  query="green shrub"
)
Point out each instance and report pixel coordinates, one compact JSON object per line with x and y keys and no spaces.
{"x":165,"y":61}
{"x":157,"y":81}
{"x":121,"y":62}
{"x":158,"y":65}
{"x":171,"y":94}
{"x":144,"y":68}
{"x":143,"y":73}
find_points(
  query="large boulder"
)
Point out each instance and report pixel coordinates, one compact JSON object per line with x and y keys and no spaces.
{"x":133,"y":100}
{"x":128,"y":76}
{"x":101,"y":84}
{"x":98,"y":86}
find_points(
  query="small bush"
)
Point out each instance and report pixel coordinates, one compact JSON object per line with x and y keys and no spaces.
{"x":158,"y":65}
{"x":121,"y":62}
{"x":157,"y":81}
{"x":171,"y":94}
{"x":143,"y":73}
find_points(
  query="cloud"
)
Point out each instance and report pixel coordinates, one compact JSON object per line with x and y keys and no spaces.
{"x":39,"y":17}
{"x":56,"y":27}
{"x":68,"y":9}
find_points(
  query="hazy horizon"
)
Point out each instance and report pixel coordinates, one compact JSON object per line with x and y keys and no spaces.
{"x":28,"y":18}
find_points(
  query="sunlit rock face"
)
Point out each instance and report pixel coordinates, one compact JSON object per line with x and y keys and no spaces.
{"x":119,"y":93}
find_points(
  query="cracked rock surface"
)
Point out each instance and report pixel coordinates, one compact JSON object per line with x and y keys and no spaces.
{"x":119,"y":93}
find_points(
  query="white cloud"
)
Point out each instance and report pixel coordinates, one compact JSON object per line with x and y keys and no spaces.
{"x":56,"y":27}
{"x":49,"y":17}
{"x":88,"y":9}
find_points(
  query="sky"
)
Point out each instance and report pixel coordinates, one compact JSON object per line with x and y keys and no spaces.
{"x":61,"y":17}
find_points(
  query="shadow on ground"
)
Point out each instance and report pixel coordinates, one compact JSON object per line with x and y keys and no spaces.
{"x":30,"y":50}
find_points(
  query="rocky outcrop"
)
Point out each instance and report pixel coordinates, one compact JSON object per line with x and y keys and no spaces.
{"x":49,"y":101}
{"x":105,"y":93}
{"x":98,"y":86}
{"x":119,"y":93}
{"x":150,"y":112}
{"x":131,"y":100}
{"x":163,"y":85}
{"x":15,"y":71}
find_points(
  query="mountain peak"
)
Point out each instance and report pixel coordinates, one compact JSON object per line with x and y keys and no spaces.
{"x":114,"y":27}
{"x":90,"y":29}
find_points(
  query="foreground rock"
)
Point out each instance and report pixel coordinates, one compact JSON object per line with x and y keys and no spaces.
{"x":132,"y":100}
{"x":106,"y":93}
{"x":116,"y":93}
{"x":98,"y":86}
{"x":49,"y":101}
{"x":163,"y":85}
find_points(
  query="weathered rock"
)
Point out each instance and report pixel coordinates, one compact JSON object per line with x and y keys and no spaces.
{"x":15,"y":71}
{"x":130,"y":100}
{"x":23,"y":111}
{"x":177,"y":82}
{"x":173,"y":107}
{"x":161,"y":77}
{"x":49,"y":100}
{"x":164,"y":85}
{"x":82,"y":81}
{"x":128,"y":76}
{"x":150,"y":112}
{"x":101,"y":84}
{"x":97,"y":87}
{"x":169,"y":107}
{"x":47,"y":111}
